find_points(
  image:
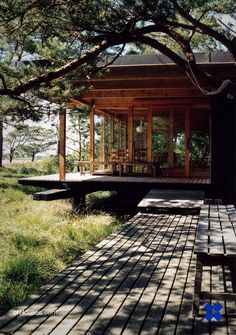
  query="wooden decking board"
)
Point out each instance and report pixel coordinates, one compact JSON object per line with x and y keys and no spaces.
{"x":184,"y":322}
{"x":57,"y":330}
{"x":108,"y":299}
{"x":45,"y":297}
{"x":171,"y":301}
{"x":72,"y":179}
{"x":138,"y":281}
{"x":126,"y":311}
{"x":69,"y":306}
{"x":171,"y":199}
{"x":152,"y":286}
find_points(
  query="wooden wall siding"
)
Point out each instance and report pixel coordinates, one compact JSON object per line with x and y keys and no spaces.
{"x":223,"y":120}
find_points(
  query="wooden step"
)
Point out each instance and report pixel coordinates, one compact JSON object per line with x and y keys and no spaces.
{"x":54,"y":194}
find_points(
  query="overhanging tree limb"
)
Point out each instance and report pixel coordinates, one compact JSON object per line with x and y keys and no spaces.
{"x":55,"y":74}
{"x":230,"y":45}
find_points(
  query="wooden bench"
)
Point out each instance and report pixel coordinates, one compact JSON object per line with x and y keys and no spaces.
{"x":150,"y":165}
{"x":215,"y":244}
{"x":83,"y":164}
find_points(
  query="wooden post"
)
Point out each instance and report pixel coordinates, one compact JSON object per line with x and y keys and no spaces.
{"x":62,"y":146}
{"x":130,"y":133}
{"x":149,"y":135}
{"x":92,"y":112}
{"x":111,"y":135}
{"x":187,"y":142}
{"x":102,"y":158}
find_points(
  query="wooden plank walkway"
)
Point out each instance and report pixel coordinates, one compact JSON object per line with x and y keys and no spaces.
{"x":171,"y":199}
{"x":138,"y":281}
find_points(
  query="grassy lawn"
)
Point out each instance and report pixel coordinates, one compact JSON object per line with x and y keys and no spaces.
{"x":38,"y":239}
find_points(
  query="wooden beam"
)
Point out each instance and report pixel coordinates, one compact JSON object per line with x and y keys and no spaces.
{"x":54,"y":194}
{"x":113,"y":104}
{"x":92,"y":112}
{"x":163,"y":71}
{"x":62,"y":145}
{"x":142,"y":93}
{"x":143,"y":84}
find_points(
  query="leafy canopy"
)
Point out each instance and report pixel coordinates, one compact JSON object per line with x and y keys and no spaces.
{"x":47,"y":46}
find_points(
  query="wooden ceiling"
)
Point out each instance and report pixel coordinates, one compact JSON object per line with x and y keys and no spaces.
{"x":142,"y":85}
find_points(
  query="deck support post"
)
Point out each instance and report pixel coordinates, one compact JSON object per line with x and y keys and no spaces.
{"x":78,"y":203}
{"x":62,"y":145}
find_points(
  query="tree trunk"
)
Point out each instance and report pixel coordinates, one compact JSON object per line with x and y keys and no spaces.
{"x":1,"y":142}
{"x":11,"y":155}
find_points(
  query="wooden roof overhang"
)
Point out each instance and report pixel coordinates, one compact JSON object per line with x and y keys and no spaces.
{"x":145,"y":84}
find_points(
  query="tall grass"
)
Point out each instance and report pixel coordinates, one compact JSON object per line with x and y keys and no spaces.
{"x":38,"y":239}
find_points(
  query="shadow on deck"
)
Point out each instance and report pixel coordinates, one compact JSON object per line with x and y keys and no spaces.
{"x":138,"y":281}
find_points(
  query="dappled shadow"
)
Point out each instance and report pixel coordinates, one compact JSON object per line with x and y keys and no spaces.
{"x":139,"y":280}
{"x":114,"y":203}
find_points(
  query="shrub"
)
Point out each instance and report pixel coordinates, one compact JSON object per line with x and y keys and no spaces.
{"x":49,"y":165}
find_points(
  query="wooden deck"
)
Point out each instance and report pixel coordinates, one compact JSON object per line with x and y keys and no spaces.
{"x":171,"y":199}
{"x":138,"y":281}
{"x":90,"y":183}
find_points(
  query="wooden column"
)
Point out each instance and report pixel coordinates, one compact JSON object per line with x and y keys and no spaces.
{"x":62,"y":145}
{"x":102,"y":157}
{"x":187,"y":142}
{"x":111,"y":133}
{"x":149,"y":135}
{"x":130,"y":133}
{"x":92,"y":112}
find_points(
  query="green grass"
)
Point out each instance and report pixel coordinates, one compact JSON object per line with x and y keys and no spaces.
{"x":38,"y":239}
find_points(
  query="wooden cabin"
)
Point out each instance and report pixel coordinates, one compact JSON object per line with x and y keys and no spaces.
{"x":148,"y":118}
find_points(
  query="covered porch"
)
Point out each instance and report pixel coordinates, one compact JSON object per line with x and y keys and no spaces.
{"x":148,"y":118}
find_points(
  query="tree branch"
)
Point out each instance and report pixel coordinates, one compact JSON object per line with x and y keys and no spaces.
{"x":206,"y":29}
{"x":55,"y":74}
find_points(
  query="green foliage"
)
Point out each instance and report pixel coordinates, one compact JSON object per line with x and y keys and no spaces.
{"x":21,"y":275}
{"x":48,"y":165}
{"x":28,"y":269}
{"x":38,"y":239}
{"x":91,"y":33}
{"x":29,"y":141}
{"x":25,"y":242}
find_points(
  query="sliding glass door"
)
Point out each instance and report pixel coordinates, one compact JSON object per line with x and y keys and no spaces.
{"x":181,"y":141}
